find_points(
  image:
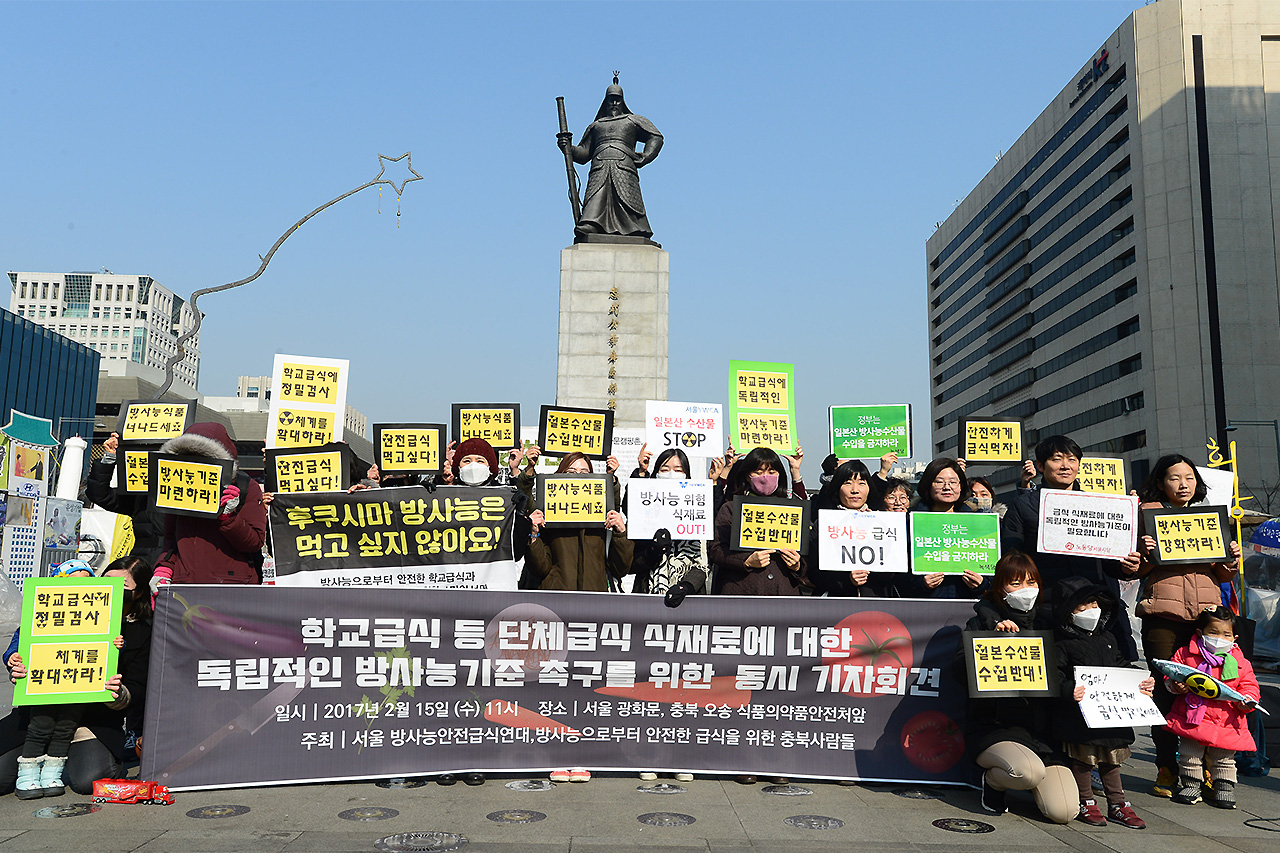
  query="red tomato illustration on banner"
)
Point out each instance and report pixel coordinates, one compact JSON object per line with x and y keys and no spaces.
{"x":932,"y":741}
{"x":870,"y":638}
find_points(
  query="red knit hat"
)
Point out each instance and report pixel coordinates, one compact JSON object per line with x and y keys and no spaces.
{"x":475,"y":447}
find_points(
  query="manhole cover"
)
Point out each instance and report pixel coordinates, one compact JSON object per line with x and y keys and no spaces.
{"x":662,"y":788}
{"x":416,"y":842}
{"x":813,"y":821}
{"x":530,"y":785}
{"x":70,"y":810}
{"x":959,"y":824}
{"x":516,"y":816}
{"x":916,"y":794}
{"x":786,"y":790}
{"x":207,"y":812}
{"x":666,"y":819}
{"x":368,"y":813}
{"x":400,"y":782}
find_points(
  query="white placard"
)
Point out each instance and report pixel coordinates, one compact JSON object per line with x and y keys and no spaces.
{"x":1087,"y":524}
{"x":695,"y":428}
{"x":1220,"y":486}
{"x":683,"y":507}
{"x":296,"y":422}
{"x":876,"y":541}
{"x":1112,"y":698}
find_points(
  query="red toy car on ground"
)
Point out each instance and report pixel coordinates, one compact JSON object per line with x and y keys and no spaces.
{"x":131,"y":791}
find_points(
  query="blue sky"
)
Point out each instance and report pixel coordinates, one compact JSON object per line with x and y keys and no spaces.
{"x":810,"y":148}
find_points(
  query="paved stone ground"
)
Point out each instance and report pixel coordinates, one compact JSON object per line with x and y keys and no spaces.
{"x":602,"y":815}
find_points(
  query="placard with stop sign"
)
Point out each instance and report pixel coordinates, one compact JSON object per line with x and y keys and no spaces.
{"x":695,"y":428}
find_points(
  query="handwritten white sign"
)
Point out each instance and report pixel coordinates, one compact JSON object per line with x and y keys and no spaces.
{"x":1112,"y":698}
{"x":876,"y":541}
{"x":1088,"y":524}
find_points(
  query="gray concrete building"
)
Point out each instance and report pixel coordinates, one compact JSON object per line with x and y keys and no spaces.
{"x":1114,"y":277}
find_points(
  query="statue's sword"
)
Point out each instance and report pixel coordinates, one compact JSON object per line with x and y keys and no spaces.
{"x":568,"y":161}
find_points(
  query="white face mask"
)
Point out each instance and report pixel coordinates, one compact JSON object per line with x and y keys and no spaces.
{"x":1218,"y":645}
{"x":1087,"y":620}
{"x":1022,"y":599}
{"x":669,"y":475}
{"x":475,"y":473}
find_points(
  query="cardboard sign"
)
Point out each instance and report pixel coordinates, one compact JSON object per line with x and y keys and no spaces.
{"x":574,"y":500}
{"x":762,"y":406}
{"x":876,"y":541}
{"x":1112,"y":698}
{"x":496,"y":423}
{"x":189,"y":485}
{"x":1104,"y":474}
{"x":681,"y":507}
{"x":308,"y":400}
{"x":409,"y":448}
{"x":133,"y":471}
{"x":1001,"y":664}
{"x":1087,"y":524}
{"x":951,"y":542}
{"x":869,"y":432}
{"x":769,"y":524}
{"x":147,"y":422}
{"x":990,"y":440}
{"x":695,"y":428}
{"x":317,"y":469}
{"x":564,"y":429}
{"x":1188,"y":534}
{"x":67,"y":629}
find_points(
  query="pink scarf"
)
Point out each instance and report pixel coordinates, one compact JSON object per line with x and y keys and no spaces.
{"x":1196,"y":706}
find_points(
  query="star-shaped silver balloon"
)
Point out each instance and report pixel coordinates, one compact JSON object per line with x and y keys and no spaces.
{"x":384,"y":160}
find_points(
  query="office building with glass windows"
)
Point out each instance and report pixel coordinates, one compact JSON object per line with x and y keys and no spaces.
{"x":126,"y":318}
{"x":45,"y":375}
{"x":1114,"y":278}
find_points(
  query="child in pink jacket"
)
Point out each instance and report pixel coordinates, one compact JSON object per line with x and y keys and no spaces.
{"x":1210,"y":731}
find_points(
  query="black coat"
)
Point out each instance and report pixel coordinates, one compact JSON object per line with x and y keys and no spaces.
{"x":952,"y":586}
{"x":840,"y":584}
{"x":148,"y":522}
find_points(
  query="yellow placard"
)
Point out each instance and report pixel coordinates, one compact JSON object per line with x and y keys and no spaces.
{"x":766,"y":526}
{"x":136,"y":471}
{"x":308,"y":383}
{"x":762,"y":430}
{"x":496,"y":426}
{"x":154,"y":421}
{"x":76,"y":610}
{"x":1009,"y":663}
{"x":187,"y":486}
{"x":570,"y":500}
{"x":992,"y":441}
{"x":569,"y":432}
{"x":1190,"y":536}
{"x":309,"y":472}
{"x":303,"y":428}
{"x":760,"y":389}
{"x":1102,"y":474}
{"x":409,"y":450}
{"x":75,"y":667}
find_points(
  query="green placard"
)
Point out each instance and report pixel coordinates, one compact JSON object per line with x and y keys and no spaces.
{"x":869,"y":432}
{"x":951,"y":542}
{"x":68,"y":628}
{"x":762,"y":406}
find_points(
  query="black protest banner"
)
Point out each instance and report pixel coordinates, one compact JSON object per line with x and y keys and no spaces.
{"x":316,"y":685}
{"x":454,"y":536}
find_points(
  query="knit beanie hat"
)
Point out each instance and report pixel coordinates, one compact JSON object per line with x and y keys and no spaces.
{"x":475,"y":447}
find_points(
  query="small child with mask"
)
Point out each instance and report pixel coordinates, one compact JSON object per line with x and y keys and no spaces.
{"x":1083,"y":613}
{"x":1211,"y":731}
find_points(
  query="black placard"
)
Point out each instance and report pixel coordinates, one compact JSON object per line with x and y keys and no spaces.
{"x":986,"y":669}
{"x":545,"y":483}
{"x":558,"y":441}
{"x":306,"y":462}
{"x":509,"y":419}
{"x":754,"y":504}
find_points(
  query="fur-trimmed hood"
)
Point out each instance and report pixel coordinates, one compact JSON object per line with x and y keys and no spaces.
{"x":206,"y":439}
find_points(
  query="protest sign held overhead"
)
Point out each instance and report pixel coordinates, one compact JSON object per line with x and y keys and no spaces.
{"x":308,"y":400}
{"x":574,"y":500}
{"x":149,"y":422}
{"x":869,"y":432}
{"x":695,"y":428}
{"x":496,"y":423}
{"x":1188,"y":534}
{"x":876,"y":541}
{"x":66,"y":633}
{"x":133,"y":477}
{"x":188,"y":485}
{"x":1102,"y":474}
{"x":769,"y":524}
{"x":681,"y":507}
{"x":762,"y":406}
{"x":953,"y":542}
{"x":1001,"y":664}
{"x":409,"y":448}
{"x":990,"y":440}
{"x":1087,"y":524}
{"x":1112,"y":697}
{"x":314,"y":469}
{"x":565,"y":429}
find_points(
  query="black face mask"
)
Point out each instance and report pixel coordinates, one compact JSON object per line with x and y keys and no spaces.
{"x":127,"y":599}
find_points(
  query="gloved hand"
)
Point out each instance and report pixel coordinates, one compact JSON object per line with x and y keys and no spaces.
{"x":677,"y":594}
{"x":230,"y":501}
{"x":158,"y":581}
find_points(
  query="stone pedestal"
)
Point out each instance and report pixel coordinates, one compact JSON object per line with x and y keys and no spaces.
{"x":613,"y":328}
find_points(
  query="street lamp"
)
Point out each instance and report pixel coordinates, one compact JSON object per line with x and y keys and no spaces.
{"x":1231,"y":425}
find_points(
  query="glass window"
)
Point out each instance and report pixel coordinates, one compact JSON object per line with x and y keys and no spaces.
{"x":55,"y":290}
{"x":24,"y":290}
{"x":97,"y":294}
{"x":41,"y":313}
{"x":129,"y":293}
